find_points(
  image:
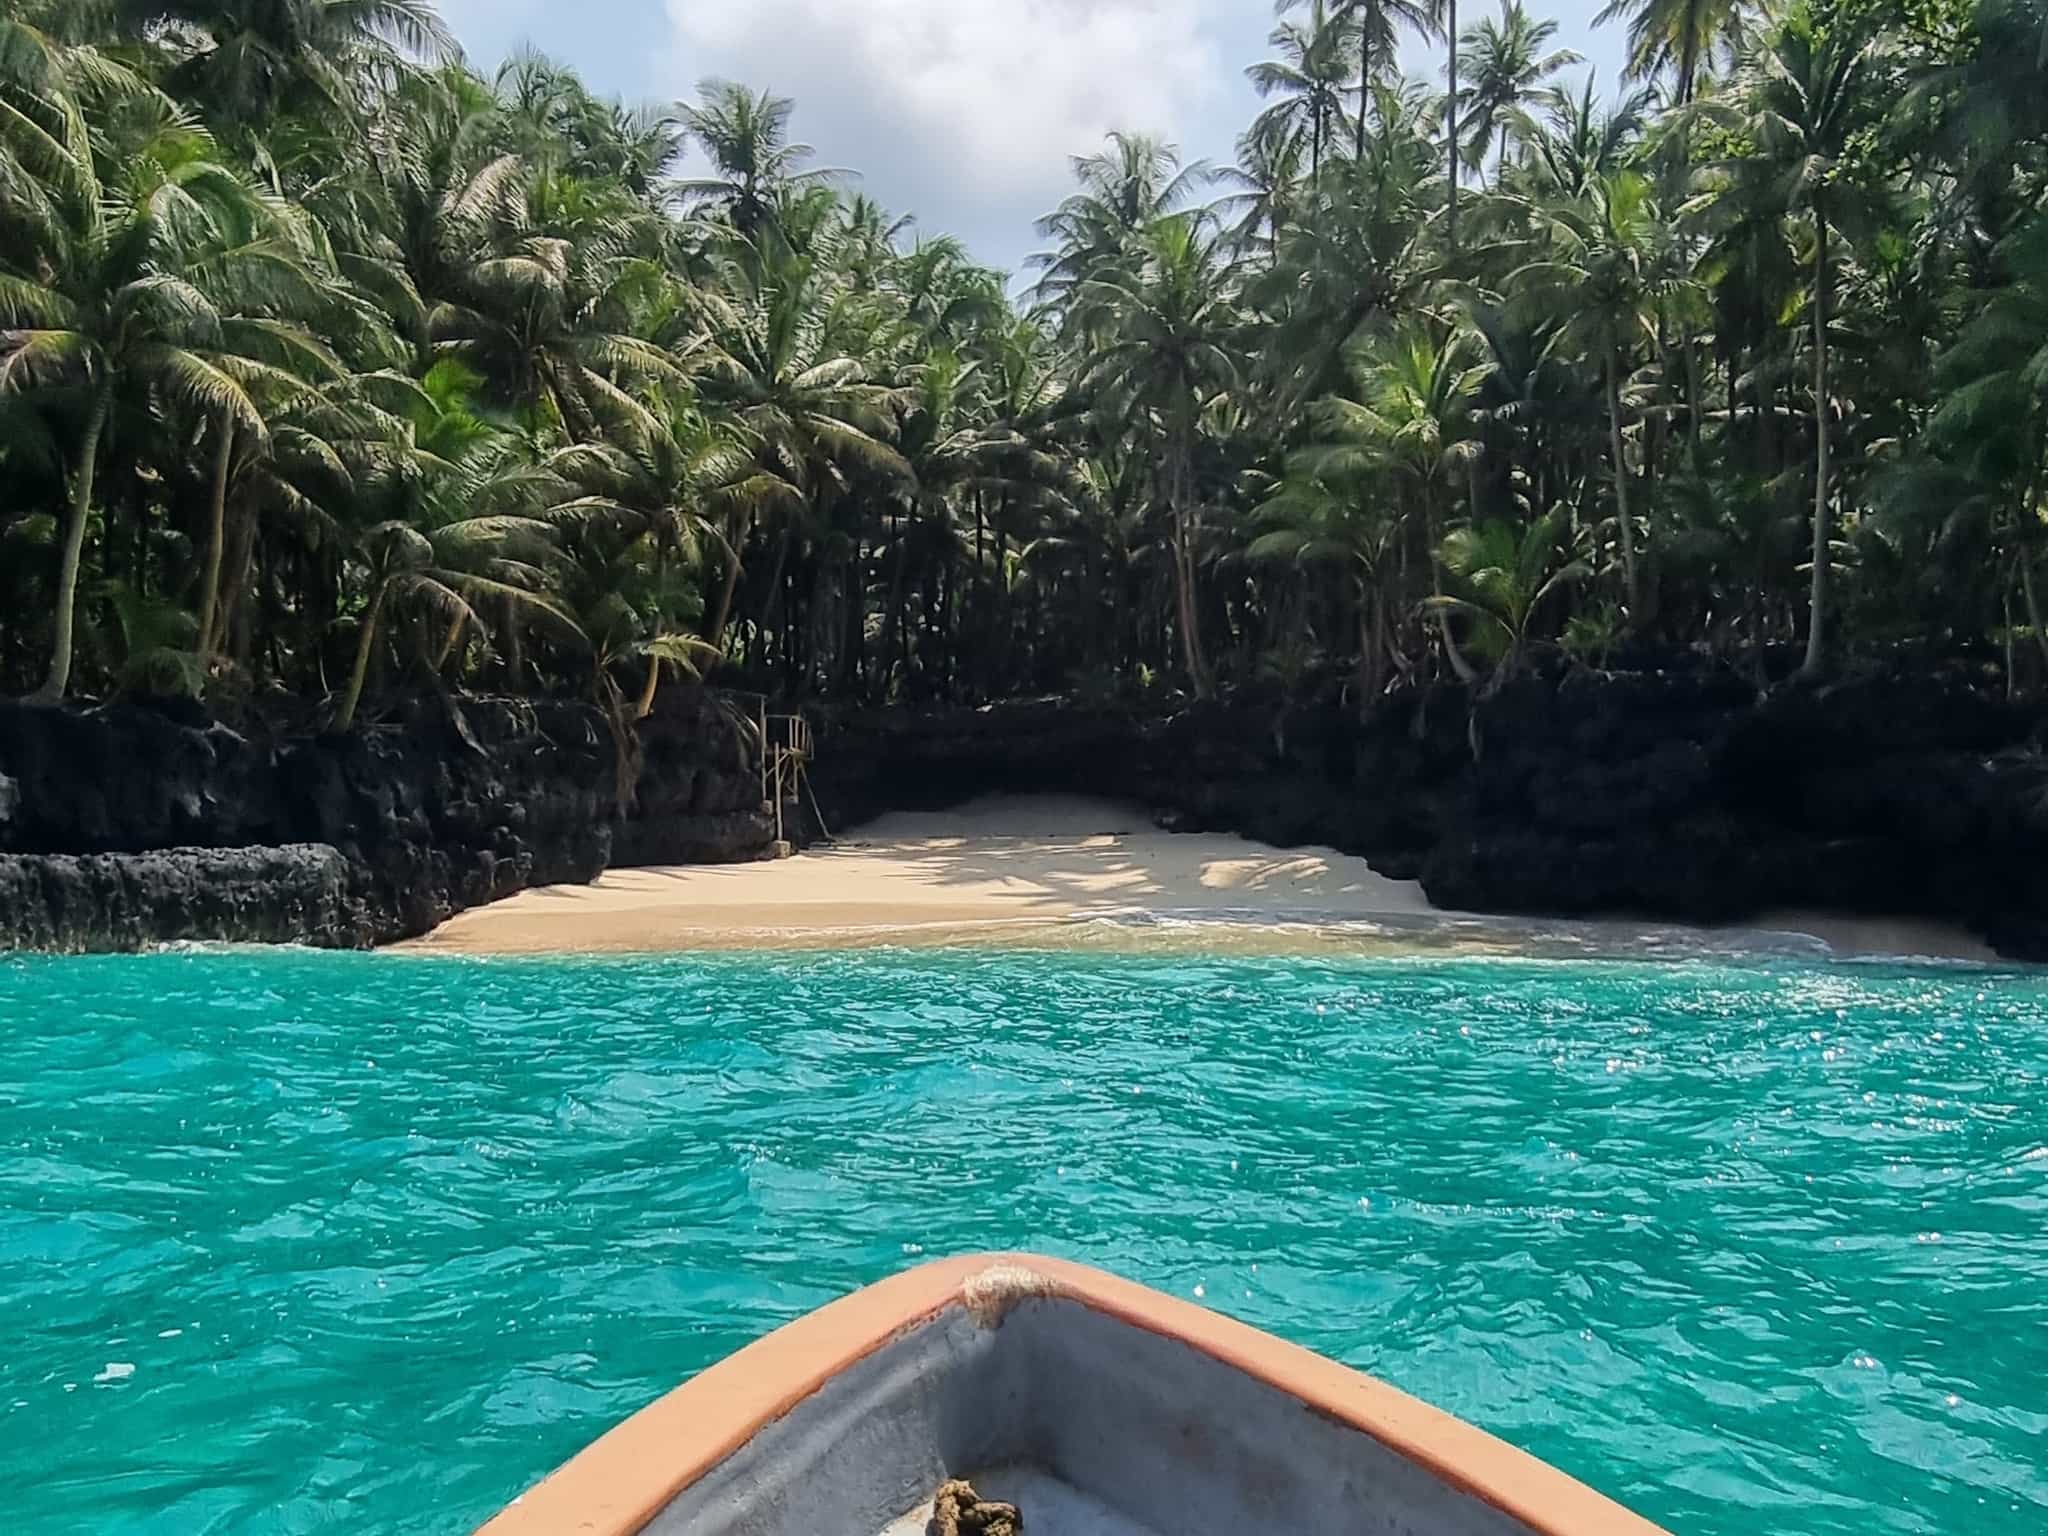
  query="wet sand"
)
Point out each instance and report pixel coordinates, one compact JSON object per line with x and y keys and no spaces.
{"x":1035,"y":868}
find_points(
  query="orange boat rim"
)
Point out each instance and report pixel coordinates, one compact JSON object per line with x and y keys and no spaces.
{"x":1093,"y":1404}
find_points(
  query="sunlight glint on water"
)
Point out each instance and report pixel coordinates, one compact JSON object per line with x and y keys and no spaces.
{"x":296,"y":1242}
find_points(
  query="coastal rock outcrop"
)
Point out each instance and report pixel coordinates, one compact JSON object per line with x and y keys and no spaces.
{"x":698,"y":796}
{"x":1680,"y":794}
{"x":1285,"y":775}
{"x":136,"y":823}
{"x":300,"y":893}
{"x":1689,"y":797}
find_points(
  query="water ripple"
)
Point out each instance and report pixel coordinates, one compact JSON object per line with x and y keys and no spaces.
{"x":292,"y":1242}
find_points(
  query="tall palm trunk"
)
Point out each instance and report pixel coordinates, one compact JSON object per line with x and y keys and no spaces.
{"x":234,"y":622}
{"x":2030,"y":515}
{"x":1817,"y":600}
{"x":345,"y":716}
{"x":1372,"y":664}
{"x":58,"y":679}
{"x":1184,"y":568}
{"x":1693,"y":403}
{"x":892,"y":609}
{"x":449,"y":641}
{"x":853,"y":619}
{"x":1433,"y":536}
{"x":216,"y":541}
{"x":645,"y":706}
{"x":814,"y":622}
{"x":1364,"y":85}
{"x":725,"y":591}
{"x":1624,"y":529}
{"x":1451,"y":126}
{"x":515,"y":645}
{"x":625,"y":740}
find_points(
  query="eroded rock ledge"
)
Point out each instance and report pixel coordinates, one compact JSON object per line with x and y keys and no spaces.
{"x":133,"y":824}
{"x":1676,"y":795}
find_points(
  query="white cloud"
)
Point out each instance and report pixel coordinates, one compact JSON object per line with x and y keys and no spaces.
{"x":964,"y":112}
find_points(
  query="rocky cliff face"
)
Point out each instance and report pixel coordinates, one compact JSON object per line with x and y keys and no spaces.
{"x":129,"y":825}
{"x":1689,"y":798}
{"x":1284,"y":775}
{"x":698,"y":800}
{"x":1676,"y":795}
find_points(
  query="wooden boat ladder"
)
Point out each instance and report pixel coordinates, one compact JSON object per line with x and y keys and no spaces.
{"x":787,"y":746}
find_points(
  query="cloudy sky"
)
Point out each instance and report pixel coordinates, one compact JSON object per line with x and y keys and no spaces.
{"x":961,"y":112}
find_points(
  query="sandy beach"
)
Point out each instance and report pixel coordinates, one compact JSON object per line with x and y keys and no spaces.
{"x":1019,"y":864}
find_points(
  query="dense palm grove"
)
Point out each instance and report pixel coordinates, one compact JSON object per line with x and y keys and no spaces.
{"x":333,"y":367}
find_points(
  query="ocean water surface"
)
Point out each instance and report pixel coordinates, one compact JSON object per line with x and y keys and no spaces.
{"x":297,"y":1242}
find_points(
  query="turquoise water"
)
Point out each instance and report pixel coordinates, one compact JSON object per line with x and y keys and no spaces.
{"x":299,"y":1242}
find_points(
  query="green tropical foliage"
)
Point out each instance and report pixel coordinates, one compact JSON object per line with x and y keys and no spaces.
{"x":1503,"y":574}
{"x":331,"y":367}
{"x":1509,"y":64}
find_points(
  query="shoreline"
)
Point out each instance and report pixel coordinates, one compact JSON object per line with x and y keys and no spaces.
{"x":1049,"y":869}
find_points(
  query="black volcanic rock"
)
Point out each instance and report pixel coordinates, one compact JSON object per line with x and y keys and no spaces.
{"x":131,"y":824}
{"x":1677,"y":794}
{"x":302,"y":893}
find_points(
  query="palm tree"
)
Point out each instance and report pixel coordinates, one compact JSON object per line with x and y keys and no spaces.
{"x":1986,"y":98}
{"x":774,"y":364}
{"x":1606,"y":277}
{"x":1505,"y":574}
{"x":870,"y":237}
{"x":440,"y":568}
{"x":1170,"y":355}
{"x":436,"y":534}
{"x":1739,"y":546}
{"x":271,"y":360}
{"x":754,"y":162}
{"x":1354,"y":258}
{"x":1677,"y":35}
{"x":250,"y":60}
{"x":1510,"y":65}
{"x":946,"y":298}
{"x":539,"y":289}
{"x":1817,"y":86}
{"x":125,"y":261}
{"x":328,"y":448}
{"x":954,"y":455}
{"x":550,"y":119}
{"x":1410,"y":411}
{"x":1582,"y":139}
{"x":1448,"y":22}
{"x":1328,"y":511}
{"x":613,"y":588}
{"x":676,"y":491}
{"x":1266,"y":189}
{"x":1126,"y":188}
{"x":1376,"y":26}
{"x":286,"y":290}
{"x":1310,"y":78}
{"x":1987,"y":473}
